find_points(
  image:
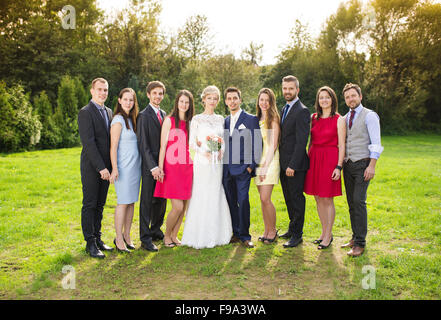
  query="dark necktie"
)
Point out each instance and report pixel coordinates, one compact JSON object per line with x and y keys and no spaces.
{"x":351,"y":118}
{"x":285,"y":112}
{"x":104,"y":117}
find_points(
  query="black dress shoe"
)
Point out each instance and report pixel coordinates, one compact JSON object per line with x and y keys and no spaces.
{"x":93,"y":251}
{"x":293,"y":243}
{"x":286,"y":235}
{"x":102,"y":246}
{"x":158,"y":236}
{"x":129,"y":246}
{"x":149,"y":246}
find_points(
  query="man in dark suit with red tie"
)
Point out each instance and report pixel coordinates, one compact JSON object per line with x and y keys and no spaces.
{"x":148,"y":132}
{"x":93,"y":126}
{"x":294,"y":161}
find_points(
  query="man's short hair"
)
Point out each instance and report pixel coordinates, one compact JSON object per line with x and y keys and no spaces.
{"x":155,"y":84}
{"x":291,"y":79}
{"x":232,"y":89}
{"x":349,"y":86}
{"x":98,"y":80}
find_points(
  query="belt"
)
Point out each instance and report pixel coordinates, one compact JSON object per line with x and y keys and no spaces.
{"x":365,"y":159}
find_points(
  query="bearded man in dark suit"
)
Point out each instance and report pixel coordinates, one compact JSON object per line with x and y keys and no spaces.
{"x":294,"y":161}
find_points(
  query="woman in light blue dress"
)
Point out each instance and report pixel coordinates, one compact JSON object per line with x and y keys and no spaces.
{"x":126,"y":165}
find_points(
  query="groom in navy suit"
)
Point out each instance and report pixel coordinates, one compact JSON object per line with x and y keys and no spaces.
{"x":243,"y":149}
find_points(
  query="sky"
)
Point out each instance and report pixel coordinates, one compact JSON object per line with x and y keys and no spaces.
{"x":235,"y":23}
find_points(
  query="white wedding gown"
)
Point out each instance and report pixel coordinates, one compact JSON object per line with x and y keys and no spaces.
{"x":208,"y":221}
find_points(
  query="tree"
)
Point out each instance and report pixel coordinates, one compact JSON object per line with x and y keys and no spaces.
{"x":67,"y":112}
{"x":50,"y":133}
{"x":253,"y":53}
{"x":195,"y":39}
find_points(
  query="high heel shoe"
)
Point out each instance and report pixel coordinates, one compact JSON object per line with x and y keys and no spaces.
{"x":268,"y":240}
{"x":129,"y":246}
{"x":120,"y":250}
{"x":321,"y":246}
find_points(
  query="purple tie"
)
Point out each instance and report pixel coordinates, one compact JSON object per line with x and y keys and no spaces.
{"x":351,"y":118}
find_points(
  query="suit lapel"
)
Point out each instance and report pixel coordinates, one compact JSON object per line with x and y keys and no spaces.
{"x":227,"y":122}
{"x":240,"y":120}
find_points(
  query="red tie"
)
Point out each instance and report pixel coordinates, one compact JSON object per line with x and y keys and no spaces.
{"x":351,"y":118}
{"x":159,"y":117}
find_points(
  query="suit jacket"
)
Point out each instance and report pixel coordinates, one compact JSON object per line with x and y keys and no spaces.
{"x":239,"y":156}
{"x":95,"y":138}
{"x":148,"y":132}
{"x":294,"y":138}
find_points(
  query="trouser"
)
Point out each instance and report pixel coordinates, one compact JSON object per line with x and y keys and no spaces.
{"x":237,"y":189}
{"x":356,"y":193}
{"x":292,"y":188}
{"x":94,"y":198}
{"x":151,"y":210}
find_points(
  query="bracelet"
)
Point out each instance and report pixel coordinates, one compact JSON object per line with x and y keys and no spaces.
{"x":338,"y":167}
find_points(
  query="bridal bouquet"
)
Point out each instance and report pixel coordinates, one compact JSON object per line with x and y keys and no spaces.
{"x":214,"y":145}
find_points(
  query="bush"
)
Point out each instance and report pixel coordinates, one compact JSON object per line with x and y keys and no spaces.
{"x":20,"y":127}
{"x":8,"y":139}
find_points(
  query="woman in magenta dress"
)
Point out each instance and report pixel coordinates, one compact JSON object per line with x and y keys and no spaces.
{"x":175,"y":161}
{"x":326,"y":155}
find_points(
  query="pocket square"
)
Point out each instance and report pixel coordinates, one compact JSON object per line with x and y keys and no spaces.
{"x":241,"y":127}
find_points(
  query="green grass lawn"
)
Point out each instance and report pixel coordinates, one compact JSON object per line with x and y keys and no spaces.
{"x":40,"y":233}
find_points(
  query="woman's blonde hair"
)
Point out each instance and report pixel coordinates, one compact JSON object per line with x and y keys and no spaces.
{"x":210,"y":90}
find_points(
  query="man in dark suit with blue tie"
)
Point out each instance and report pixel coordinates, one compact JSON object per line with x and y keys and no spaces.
{"x":93,"y":126}
{"x":242,"y":154}
{"x":294,"y":161}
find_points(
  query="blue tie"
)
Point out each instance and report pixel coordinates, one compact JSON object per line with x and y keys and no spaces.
{"x":104,"y":117}
{"x":285,"y":112}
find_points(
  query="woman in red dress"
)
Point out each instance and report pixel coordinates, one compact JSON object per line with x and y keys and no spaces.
{"x":176,"y":163}
{"x":326,"y":155}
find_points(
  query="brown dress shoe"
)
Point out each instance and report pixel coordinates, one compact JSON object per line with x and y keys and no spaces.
{"x":350,"y":244}
{"x":356,"y":252}
{"x":248,"y":244}
{"x":234,"y":239}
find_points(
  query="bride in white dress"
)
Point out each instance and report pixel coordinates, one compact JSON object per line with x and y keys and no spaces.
{"x":208,"y":220}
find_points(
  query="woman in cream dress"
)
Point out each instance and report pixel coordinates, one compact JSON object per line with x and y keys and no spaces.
{"x":269,"y":169}
{"x":208,"y":219}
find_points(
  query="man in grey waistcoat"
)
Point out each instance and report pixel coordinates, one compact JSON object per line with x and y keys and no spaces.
{"x":363,"y":148}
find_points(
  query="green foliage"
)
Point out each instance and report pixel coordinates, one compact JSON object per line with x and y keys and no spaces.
{"x":8,"y":139}
{"x":390,"y":48}
{"x":67,"y":112}
{"x":21,"y":126}
{"x":50,"y":133}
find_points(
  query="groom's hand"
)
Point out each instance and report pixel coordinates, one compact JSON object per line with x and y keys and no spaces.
{"x":290,"y":172}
